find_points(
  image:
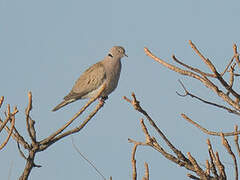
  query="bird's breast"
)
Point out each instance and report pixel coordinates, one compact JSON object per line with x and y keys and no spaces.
{"x":112,"y":77}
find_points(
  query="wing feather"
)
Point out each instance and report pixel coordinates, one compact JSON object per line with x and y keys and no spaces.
{"x":90,"y":80}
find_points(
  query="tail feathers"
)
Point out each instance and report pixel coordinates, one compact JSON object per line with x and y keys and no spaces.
{"x":64,"y":103}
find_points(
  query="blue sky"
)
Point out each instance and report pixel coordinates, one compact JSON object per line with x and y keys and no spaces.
{"x":46,"y":45}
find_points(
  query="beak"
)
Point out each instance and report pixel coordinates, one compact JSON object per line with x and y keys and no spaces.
{"x":125,"y":55}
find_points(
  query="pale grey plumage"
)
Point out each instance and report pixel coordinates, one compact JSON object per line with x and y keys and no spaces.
{"x":87,"y":86}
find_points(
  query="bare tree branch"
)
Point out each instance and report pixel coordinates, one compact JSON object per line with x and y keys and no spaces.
{"x":36,"y":146}
{"x":187,"y":93}
{"x":10,"y":132}
{"x":134,"y":169}
{"x":29,"y":122}
{"x":197,"y":168}
{"x":236,"y":55}
{"x":212,"y":159}
{"x":133,"y":160}
{"x":220,"y":167}
{"x":146,"y":176}
{"x":1,"y":101}
{"x":207,"y":168}
{"x":89,"y":162}
{"x":236,"y":140}
{"x":3,"y":124}
{"x":202,"y":77}
{"x":51,"y":137}
{"x":207,"y":131}
{"x":137,"y":106}
{"x":228,"y":147}
{"x":225,"y":70}
{"x":181,"y":160}
{"x":75,"y":130}
{"x":193,"y":177}
{"x":192,"y":68}
{"x":20,"y":151}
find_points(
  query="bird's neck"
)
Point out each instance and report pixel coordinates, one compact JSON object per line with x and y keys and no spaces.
{"x":113,"y":61}
{"x":112,"y":65}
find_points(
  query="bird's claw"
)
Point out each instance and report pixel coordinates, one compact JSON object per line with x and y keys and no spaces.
{"x":103,"y":99}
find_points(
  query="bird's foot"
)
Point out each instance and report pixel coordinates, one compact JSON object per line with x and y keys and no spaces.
{"x":102,"y":100}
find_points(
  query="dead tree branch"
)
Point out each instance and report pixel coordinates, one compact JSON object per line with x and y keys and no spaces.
{"x":3,"y":124}
{"x":135,"y":103}
{"x":214,"y":169}
{"x":190,"y":163}
{"x":134,"y":169}
{"x":1,"y":101}
{"x":228,"y":147}
{"x":37,"y":146}
{"x":89,"y":162}
{"x":187,"y":93}
{"x":49,"y":139}
{"x":207,"y":131}
{"x":202,"y":76}
{"x":236,"y":137}
{"x":236,"y":55}
{"x":133,"y":159}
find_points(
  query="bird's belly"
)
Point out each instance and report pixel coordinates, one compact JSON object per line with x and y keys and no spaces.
{"x":92,"y":94}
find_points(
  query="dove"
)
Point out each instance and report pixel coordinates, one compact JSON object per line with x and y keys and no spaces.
{"x":90,"y":82}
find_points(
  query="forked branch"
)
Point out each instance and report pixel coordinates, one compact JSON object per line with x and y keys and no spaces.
{"x":37,"y":146}
{"x":10,"y":117}
{"x":202,"y":76}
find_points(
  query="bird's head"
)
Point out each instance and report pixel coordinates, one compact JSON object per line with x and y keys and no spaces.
{"x":117,"y":52}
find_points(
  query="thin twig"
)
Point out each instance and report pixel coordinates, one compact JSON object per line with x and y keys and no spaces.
{"x":1,"y":101}
{"x":146,"y":175}
{"x":207,"y":168}
{"x":145,"y":131}
{"x":203,"y":79}
{"x":17,"y":137}
{"x":72,"y":131}
{"x":187,"y":93}
{"x":205,"y":60}
{"x":172,"y":67}
{"x":181,"y":160}
{"x":9,"y":134}
{"x":20,"y":151}
{"x":214,"y":70}
{"x":228,"y":147}
{"x":220,"y":166}
{"x":10,"y":170}
{"x":8,"y":118}
{"x":231,"y":72}
{"x":212,"y":159}
{"x":236,"y":137}
{"x":29,"y":121}
{"x":137,"y":106}
{"x":236,"y":55}
{"x":225,"y":70}
{"x":134,"y":168}
{"x":51,"y":137}
{"x":192,"y":68}
{"x":193,"y":177}
{"x":198,"y":169}
{"x":207,"y":131}
{"x":89,"y":162}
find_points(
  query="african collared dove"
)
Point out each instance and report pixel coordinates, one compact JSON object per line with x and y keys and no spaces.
{"x":90,"y":82}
